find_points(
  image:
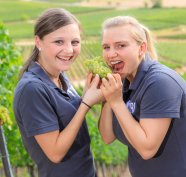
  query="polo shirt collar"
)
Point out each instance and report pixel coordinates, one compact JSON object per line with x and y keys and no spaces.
{"x":41,"y":74}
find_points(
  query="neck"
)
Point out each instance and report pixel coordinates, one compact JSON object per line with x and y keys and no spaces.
{"x":53,"y":77}
{"x":49,"y":73}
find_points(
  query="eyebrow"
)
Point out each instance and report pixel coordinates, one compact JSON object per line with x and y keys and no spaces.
{"x":118,"y":42}
{"x":62,"y":38}
{"x":121,"y":42}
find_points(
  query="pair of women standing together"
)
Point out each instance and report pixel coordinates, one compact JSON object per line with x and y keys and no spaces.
{"x":51,"y":115}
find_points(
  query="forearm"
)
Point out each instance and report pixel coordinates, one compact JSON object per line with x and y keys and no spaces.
{"x":105,"y":124}
{"x":56,"y":144}
{"x":132,"y":129}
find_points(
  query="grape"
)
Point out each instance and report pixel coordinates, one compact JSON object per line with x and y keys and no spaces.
{"x":4,"y":116}
{"x":98,"y":66}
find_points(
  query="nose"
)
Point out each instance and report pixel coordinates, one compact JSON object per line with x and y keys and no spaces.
{"x":112,"y":53}
{"x":68,"y":49}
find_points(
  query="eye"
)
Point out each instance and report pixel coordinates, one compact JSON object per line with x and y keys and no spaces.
{"x":59,"y":42}
{"x":119,"y":46}
{"x":75,"y":43}
{"x":106,"y":47}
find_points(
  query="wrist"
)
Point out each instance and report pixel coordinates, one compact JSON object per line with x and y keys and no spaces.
{"x":116,"y":104}
{"x":86,"y":104}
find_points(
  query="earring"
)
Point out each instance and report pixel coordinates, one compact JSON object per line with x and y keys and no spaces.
{"x":39,"y":49}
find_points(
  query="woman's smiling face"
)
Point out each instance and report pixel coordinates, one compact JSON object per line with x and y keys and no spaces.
{"x":121,"y":51}
{"x":60,"y":48}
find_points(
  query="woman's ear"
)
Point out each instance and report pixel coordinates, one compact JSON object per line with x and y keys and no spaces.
{"x":38,"y":42}
{"x":143,"y":49}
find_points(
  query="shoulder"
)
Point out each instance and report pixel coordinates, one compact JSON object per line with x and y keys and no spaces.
{"x":29,"y":84}
{"x":161,"y":76}
{"x":161,"y":84}
{"x":30,"y":89}
{"x":34,"y":87}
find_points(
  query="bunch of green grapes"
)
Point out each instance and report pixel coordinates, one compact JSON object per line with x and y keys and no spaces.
{"x":98,"y":66}
{"x":4,"y":116}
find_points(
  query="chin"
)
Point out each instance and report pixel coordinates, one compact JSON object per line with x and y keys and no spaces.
{"x":123,"y":76}
{"x":64,"y":69}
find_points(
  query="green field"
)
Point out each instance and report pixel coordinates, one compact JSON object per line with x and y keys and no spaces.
{"x":11,"y":11}
{"x":91,"y":18}
{"x":173,"y":51}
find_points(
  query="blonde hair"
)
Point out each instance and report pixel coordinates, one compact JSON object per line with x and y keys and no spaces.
{"x":139,"y":32}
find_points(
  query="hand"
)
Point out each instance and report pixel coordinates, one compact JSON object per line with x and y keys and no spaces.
{"x":88,"y":83}
{"x":93,"y":94}
{"x":112,"y":88}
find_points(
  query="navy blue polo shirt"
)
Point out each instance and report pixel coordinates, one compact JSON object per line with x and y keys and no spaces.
{"x":157,"y":92}
{"x":41,"y":107}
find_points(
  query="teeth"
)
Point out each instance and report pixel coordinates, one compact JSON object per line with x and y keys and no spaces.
{"x":66,"y":59}
{"x":114,"y":62}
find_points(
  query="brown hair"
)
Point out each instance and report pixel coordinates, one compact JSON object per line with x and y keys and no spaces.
{"x":49,"y":21}
{"x":139,"y":32}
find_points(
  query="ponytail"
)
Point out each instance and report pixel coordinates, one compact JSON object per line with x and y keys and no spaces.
{"x":33,"y":57}
{"x":150,"y":46}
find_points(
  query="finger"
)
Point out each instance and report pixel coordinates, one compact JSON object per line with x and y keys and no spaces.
{"x":118,"y":79}
{"x":103,"y":89}
{"x":111,"y":79}
{"x":95,"y":81}
{"x":89,"y":79}
{"x":105,"y":82}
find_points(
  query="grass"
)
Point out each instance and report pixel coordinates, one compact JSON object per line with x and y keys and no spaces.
{"x":172,"y":51}
{"x":33,"y":9}
{"x":162,"y":18}
{"x":65,"y":1}
{"x":24,"y":30}
{"x":178,"y":32}
{"x":155,"y":19}
{"x":176,"y":36}
{"x":170,"y":64}
{"x":184,"y":76}
{"x":90,"y":17}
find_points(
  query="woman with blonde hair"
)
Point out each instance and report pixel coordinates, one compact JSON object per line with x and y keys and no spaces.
{"x":145,"y":102}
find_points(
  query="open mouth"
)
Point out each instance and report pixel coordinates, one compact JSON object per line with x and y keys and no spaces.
{"x":117,"y":66}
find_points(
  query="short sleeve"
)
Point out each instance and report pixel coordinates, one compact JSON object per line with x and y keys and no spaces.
{"x":37,"y":113}
{"x":162,"y":98}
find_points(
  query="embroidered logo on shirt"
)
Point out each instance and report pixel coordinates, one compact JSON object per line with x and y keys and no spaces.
{"x":131,"y":106}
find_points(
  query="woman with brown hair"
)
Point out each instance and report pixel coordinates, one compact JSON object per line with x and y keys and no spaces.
{"x":49,"y":112}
